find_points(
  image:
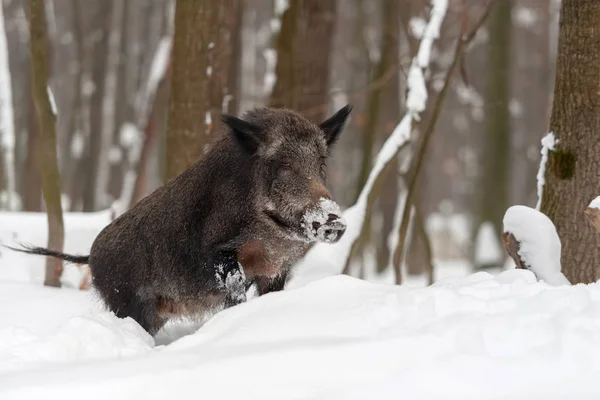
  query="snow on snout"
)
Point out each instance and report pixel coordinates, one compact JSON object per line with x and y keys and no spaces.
{"x":324,"y":222}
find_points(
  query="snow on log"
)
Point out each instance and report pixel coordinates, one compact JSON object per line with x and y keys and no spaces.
{"x":531,"y":240}
{"x":7,"y":127}
{"x":592,"y":212}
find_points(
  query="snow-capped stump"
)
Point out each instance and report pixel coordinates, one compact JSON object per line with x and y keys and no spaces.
{"x":531,"y":240}
{"x":592,"y":212}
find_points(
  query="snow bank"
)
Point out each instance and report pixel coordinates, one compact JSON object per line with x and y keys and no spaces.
{"x":539,"y":244}
{"x":478,"y":337}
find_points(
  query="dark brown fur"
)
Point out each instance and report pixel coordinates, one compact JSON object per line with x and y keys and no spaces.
{"x":234,"y":218}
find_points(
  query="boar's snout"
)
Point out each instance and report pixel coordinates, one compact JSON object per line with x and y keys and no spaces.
{"x":332,"y":230}
{"x":324,"y":222}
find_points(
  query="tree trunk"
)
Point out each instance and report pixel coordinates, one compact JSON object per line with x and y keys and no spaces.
{"x":573,"y":171}
{"x":33,"y":186}
{"x":95,"y":161}
{"x":304,"y":46}
{"x":47,"y":146}
{"x":494,"y":181}
{"x":202,"y":51}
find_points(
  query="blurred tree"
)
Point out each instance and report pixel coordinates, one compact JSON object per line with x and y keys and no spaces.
{"x":33,"y":185}
{"x":38,"y":49}
{"x":573,"y":170}
{"x":494,"y":180}
{"x":202,"y":50}
{"x":304,"y":46}
{"x":96,"y":154}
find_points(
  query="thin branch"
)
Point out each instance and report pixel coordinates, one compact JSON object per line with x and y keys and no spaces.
{"x":461,"y":45}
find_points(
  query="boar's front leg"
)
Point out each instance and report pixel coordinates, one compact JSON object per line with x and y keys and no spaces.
{"x":266,"y":284}
{"x":230,"y":279}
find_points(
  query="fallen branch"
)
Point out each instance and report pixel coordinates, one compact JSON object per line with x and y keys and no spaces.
{"x":512,"y":247}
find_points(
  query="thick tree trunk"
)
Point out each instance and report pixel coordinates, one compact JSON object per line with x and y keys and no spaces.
{"x":202,"y":50}
{"x":304,"y":46}
{"x":573,"y":171}
{"x":47,"y":146}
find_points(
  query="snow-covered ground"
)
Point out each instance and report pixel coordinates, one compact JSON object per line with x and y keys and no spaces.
{"x":478,"y":336}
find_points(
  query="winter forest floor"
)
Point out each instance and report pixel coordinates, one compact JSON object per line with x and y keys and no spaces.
{"x":478,"y":336}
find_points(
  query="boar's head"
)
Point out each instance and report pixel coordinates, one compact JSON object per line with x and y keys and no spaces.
{"x":289,"y":173}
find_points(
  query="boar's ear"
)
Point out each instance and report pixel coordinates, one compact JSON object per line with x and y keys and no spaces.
{"x":334,"y":125}
{"x":245,"y":133}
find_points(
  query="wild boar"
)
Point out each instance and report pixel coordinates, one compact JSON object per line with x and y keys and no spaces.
{"x":242,"y":215}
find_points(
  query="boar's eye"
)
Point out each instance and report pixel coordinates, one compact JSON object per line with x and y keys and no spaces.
{"x":285,"y":166}
{"x":323,"y":169}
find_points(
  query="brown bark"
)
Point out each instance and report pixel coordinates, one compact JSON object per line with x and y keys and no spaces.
{"x":38,"y":50}
{"x":512,"y":246}
{"x":303,"y":48}
{"x":573,"y":170}
{"x":99,"y":67}
{"x":33,"y":185}
{"x":202,"y":51}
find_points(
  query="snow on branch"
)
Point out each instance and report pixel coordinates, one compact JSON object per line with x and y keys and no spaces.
{"x":400,"y":137}
{"x":530,"y":238}
{"x":402,"y":217}
{"x":548,"y":144}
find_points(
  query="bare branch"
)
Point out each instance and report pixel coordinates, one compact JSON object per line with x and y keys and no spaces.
{"x":461,"y":45}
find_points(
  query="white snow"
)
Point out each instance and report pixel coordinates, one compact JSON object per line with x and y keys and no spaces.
{"x":417,"y":27}
{"x":159,"y":65}
{"x":548,"y":144}
{"x":540,"y":246}
{"x":432,"y":32}
{"x":472,"y":337}
{"x":525,"y":16}
{"x":31,"y":228}
{"x":270,"y":78}
{"x":77,"y":145}
{"x":477,"y":337}
{"x":52,"y":100}
{"x":595,"y":203}
{"x":487,"y":246}
{"x":130,"y":136}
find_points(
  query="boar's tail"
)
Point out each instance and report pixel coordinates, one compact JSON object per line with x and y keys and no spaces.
{"x":41,"y":251}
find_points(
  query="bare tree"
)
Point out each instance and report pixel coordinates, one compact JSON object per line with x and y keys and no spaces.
{"x":202,"y":50}
{"x":38,"y":49}
{"x":573,"y":170}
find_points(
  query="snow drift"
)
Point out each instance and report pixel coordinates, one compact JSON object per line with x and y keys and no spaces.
{"x":337,"y":338}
